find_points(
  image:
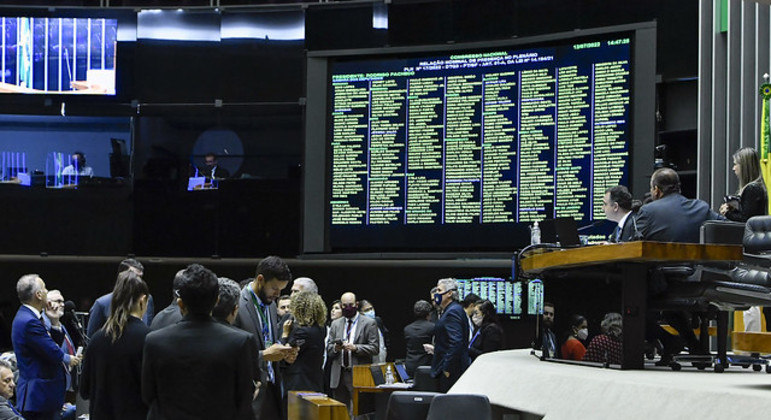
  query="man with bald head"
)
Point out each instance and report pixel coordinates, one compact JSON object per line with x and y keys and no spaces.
{"x":353,"y":340}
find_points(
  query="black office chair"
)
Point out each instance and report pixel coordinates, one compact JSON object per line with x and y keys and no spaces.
{"x":460,"y":406}
{"x":423,"y":380}
{"x":757,"y":241}
{"x":409,"y":405}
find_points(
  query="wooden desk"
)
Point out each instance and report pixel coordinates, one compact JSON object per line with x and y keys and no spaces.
{"x":363,"y":383}
{"x":314,"y":406}
{"x":629,"y":263}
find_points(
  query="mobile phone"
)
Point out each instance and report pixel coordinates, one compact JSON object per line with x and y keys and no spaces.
{"x":79,"y":351}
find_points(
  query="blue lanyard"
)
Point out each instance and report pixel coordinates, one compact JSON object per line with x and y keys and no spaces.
{"x":474,"y":338}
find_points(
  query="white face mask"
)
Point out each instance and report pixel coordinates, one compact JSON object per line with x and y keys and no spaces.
{"x":477,"y":319}
{"x":370,"y":313}
{"x":582,"y":334}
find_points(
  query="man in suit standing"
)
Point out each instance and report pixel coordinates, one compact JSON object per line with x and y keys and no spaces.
{"x":40,"y":359}
{"x":100,"y":311}
{"x":353,"y":340}
{"x":416,"y":334}
{"x":199,"y":368}
{"x":617,"y":205}
{"x":670,"y":217}
{"x":257,"y":315}
{"x":451,"y":356}
{"x":170,"y":315}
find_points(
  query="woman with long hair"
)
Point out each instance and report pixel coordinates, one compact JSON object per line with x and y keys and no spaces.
{"x":752,"y":198}
{"x":573,"y":347}
{"x":112,"y":368}
{"x":488,"y":335}
{"x":306,"y":333}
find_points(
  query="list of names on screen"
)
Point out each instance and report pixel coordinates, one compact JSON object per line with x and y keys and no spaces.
{"x":486,"y":137}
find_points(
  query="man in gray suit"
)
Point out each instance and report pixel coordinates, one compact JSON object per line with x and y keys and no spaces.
{"x":257,"y":315}
{"x":353,"y":340}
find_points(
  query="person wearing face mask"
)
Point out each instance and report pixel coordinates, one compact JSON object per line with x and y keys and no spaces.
{"x":488,"y":336}
{"x":353,"y":340}
{"x":573,"y":347}
{"x":451,"y":357}
{"x":385,"y":338}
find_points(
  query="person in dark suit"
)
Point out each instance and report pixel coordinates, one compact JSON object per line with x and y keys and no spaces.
{"x":257,"y":315}
{"x":353,"y":340}
{"x":306,"y":333}
{"x":670,"y":217}
{"x":112,"y":369}
{"x":416,"y":334}
{"x":170,"y":315}
{"x":753,"y":198}
{"x":212,"y":169}
{"x":100,"y":311}
{"x":617,"y":205}
{"x":40,"y":359}
{"x":451,"y":356}
{"x":488,"y":336}
{"x":199,"y":368}
{"x":226,"y":309}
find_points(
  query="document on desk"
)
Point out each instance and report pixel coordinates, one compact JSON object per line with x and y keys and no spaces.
{"x":396,"y":385}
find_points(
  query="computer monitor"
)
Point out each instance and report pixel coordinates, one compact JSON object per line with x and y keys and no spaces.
{"x":401,"y":369}
{"x":562,"y":230}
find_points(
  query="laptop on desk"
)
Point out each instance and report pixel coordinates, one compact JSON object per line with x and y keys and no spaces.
{"x":401,"y":369}
{"x":562,"y":229}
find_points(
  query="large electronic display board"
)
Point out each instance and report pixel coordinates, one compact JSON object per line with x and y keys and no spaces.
{"x":465,"y":149}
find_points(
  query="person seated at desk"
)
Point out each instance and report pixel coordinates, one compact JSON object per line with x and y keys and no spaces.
{"x":752,"y":197}
{"x":670,"y":217}
{"x":619,"y":207}
{"x":212,"y":170}
{"x":78,"y":166}
{"x":607,"y":347}
{"x":573,"y":347}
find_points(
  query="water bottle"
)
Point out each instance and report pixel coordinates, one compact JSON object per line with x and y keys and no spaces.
{"x":535,"y":234}
{"x":389,"y":376}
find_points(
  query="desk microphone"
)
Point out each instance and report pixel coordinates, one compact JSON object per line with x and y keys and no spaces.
{"x":591,"y":225}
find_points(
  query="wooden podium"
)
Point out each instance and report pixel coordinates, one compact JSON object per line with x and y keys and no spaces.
{"x":364,"y":383}
{"x":628,"y":263}
{"x":314,"y":406}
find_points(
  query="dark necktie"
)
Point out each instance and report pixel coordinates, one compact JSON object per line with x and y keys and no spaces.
{"x":346,"y":353}
{"x":618,"y":233}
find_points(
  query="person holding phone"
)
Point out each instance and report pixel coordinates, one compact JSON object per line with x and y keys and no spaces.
{"x":751,"y":199}
{"x":305,"y":334}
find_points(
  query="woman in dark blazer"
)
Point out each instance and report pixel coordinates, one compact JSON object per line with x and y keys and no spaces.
{"x":112,"y":368}
{"x":306,"y":333}
{"x":753,"y":199}
{"x":489,"y":334}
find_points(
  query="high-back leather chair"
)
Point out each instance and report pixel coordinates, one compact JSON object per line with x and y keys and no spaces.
{"x":460,"y":406}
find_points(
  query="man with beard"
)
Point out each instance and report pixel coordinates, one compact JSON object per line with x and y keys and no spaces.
{"x":548,"y":338}
{"x":258,"y":316}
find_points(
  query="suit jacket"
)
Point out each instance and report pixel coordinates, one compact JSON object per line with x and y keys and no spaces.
{"x":416,"y":334}
{"x":100,"y":311}
{"x":489,"y":338}
{"x":41,"y":364}
{"x":366,"y":339}
{"x":628,"y":232}
{"x":6,"y":410}
{"x":753,"y":202}
{"x":451,"y":343}
{"x":249,"y":321}
{"x":170,"y":315}
{"x":674,"y":218}
{"x":198,"y":369}
{"x":112,"y":374}
{"x":306,"y":374}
